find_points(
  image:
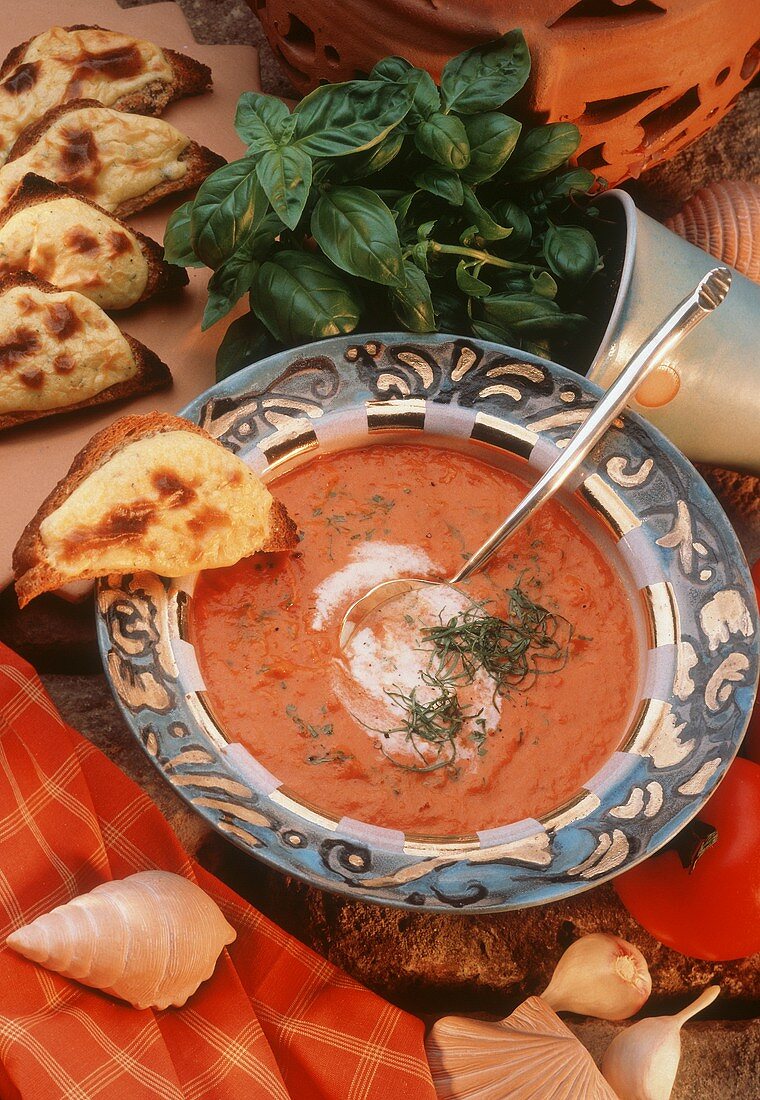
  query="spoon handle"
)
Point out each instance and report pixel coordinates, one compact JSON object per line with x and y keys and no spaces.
{"x":693,"y":309}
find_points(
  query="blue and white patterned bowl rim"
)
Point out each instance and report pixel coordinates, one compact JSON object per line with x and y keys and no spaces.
{"x":672,"y":538}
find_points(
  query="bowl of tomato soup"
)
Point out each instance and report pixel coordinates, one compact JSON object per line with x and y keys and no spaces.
{"x":510,"y":741}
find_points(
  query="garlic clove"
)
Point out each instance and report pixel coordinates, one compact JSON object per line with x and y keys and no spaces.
{"x":600,"y":975}
{"x":641,"y":1062}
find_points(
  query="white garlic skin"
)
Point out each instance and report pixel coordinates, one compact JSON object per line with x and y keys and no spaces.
{"x":600,"y":975}
{"x":149,"y":939}
{"x":641,"y":1062}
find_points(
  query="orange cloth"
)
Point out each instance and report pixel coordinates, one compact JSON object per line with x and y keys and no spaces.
{"x":274,"y":1021}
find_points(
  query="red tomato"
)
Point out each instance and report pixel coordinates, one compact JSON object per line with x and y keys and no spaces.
{"x":751,"y":743}
{"x":713,"y":911}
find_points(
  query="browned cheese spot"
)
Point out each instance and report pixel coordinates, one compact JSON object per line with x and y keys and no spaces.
{"x":79,"y":158}
{"x":22,"y":79}
{"x":27,"y":305}
{"x":23,"y":342}
{"x":173,"y":491}
{"x":63,"y":364}
{"x":61,"y":321}
{"x":115,"y":64}
{"x":80,"y":240}
{"x":119,"y":242}
{"x":32,"y":377}
{"x":207,"y":518}
{"x":125,"y":524}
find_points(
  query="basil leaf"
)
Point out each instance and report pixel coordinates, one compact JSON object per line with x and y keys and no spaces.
{"x":443,"y":138}
{"x":450,"y":315}
{"x":488,"y":227}
{"x":575,"y":181}
{"x":495,"y":333}
{"x":542,"y":150}
{"x":264,"y":234}
{"x":178,"y":246}
{"x":356,"y":230}
{"x":401,"y":206}
{"x":228,"y":284}
{"x":228,"y":204}
{"x":285,"y":175}
{"x":537,"y":347}
{"x":245,"y":341}
{"x":543,"y":284}
{"x":398,"y":70}
{"x":529,"y":315}
{"x":510,"y":214}
{"x":571,"y":252}
{"x":259,"y":120}
{"x":336,"y":119}
{"x":492,"y":137}
{"x":357,"y":165}
{"x":413,"y":304}
{"x":419,"y":254}
{"x":393,"y":69}
{"x":442,"y":182}
{"x":468,"y":282}
{"x":300,"y":297}
{"x":485,"y":77}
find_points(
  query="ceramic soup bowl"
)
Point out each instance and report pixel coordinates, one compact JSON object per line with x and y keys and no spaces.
{"x":666,"y":535}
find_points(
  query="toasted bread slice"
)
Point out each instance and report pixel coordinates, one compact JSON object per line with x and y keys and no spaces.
{"x":60,"y":352}
{"x":123,"y":162}
{"x":69,"y":241}
{"x":82,"y":61}
{"x":149,"y":494}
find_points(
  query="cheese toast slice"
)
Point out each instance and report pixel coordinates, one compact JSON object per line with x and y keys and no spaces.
{"x":69,"y":241}
{"x":89,"y":62}
{"x":60,"y":352}
{"x":123,"y":162}
{"x":149,"y":494}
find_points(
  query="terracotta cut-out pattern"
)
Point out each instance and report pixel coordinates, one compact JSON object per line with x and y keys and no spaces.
{"x":641,"y":78}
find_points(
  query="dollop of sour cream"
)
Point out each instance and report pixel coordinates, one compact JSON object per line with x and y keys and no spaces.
{"x":387,"y":655}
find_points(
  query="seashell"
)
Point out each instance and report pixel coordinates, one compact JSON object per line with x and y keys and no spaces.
{"x":723,"y":218}
{"x":528,"y":1056}
{"x":150,"y":939}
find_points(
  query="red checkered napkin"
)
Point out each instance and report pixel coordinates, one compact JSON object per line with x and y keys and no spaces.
{"x":275,"y":1021}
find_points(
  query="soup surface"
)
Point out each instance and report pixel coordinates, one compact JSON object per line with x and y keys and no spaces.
{"x":448,"y":713}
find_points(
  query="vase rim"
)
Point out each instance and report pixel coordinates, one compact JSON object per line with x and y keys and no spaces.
{"x":630,"y":212}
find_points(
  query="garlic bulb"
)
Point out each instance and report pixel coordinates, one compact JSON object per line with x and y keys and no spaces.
{"x":723,"y":218}
{"x":529,"y":1055}
{"x":641,"y":1062}
{"x":150,"y":939}
{"x":600,"y":975}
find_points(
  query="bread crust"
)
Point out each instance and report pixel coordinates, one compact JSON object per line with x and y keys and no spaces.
{"x":33,"y":573}
{"x":189,"y":77}
{"x":152,"y":373}
{"x":162,"y":277}
{"x":200,"y":161}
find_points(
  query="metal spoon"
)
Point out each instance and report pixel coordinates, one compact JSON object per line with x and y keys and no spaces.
{"x":693,"y":309}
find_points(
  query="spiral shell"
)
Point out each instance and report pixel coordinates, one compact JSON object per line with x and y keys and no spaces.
{"x":528,"y":1055}
{"x":150,"y":939}
{"x":724,"y":220}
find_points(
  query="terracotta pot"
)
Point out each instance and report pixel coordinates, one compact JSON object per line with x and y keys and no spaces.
{"x":641,"y":78}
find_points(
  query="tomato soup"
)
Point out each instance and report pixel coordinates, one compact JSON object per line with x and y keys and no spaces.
{"x":449,"y":711}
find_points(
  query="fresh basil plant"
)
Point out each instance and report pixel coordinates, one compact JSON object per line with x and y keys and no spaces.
{"x":393,"y":202}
